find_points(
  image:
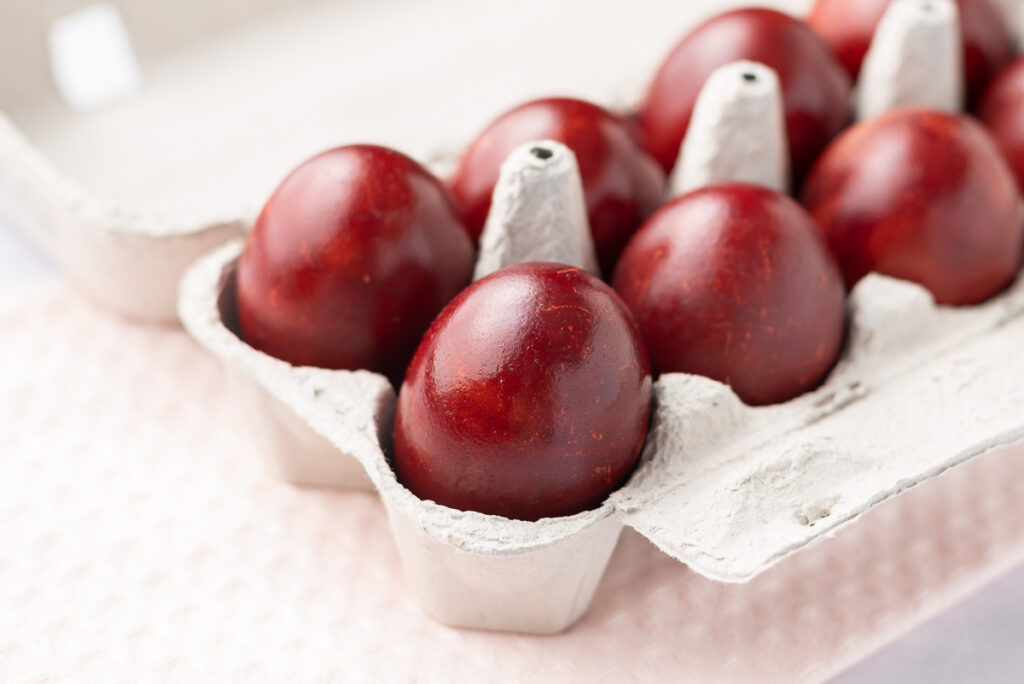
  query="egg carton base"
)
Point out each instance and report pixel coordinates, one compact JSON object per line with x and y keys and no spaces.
{"x":728,"y":489}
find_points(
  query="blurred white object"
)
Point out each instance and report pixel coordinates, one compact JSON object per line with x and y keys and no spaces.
{"x":915,"y":60}
{"x":92,"y":58}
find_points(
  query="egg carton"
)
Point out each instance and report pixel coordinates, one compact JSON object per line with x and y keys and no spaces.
{"x":135,"y":137}
{"x":728,"y":489}
{"x":69,"y":177}
{"x":725,"y":488}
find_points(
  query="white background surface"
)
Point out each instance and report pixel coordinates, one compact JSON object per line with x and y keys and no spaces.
{"x":978,"y":641}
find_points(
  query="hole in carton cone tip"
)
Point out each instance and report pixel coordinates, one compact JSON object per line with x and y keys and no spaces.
{"x":542,"y":153}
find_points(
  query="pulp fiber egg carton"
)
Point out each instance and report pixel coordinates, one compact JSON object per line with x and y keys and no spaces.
{"x":136,"y":135}
{"x":726,"y":488}
{"x":124,"y":179}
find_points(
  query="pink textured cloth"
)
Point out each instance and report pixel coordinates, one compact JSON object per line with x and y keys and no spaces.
{"x":141,"y":541}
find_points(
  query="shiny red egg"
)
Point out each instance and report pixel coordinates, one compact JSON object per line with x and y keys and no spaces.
{"x":849,"y":25}
{"x":528,"y":398}
{"x":733,"y":282}
{"x":350,"y":260}
{"x":924,"y":196}
{"x":622,"y":185}
{"x":815,"y":89}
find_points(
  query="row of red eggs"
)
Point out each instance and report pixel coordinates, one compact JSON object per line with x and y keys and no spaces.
{"x":360,"y":248}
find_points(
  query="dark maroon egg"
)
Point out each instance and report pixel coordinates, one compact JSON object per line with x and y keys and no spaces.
{"x":350,"y":260}
{"x":622,"y":185}
{"x":734,"y":282}
{"x":815,"y":89}
{"x":924,"y":196}
{"x":528,"y":397}
{"x":1001,"y":109}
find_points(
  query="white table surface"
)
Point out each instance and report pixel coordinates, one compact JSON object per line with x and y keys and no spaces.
{"x":980,"y":640}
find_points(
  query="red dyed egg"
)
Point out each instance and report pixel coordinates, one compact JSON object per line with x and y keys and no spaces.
{"x":528,"y":398}
{"x":924,"y":196}
{"x":815,"y":89}
{"x":352,"y":257}
{"x":622,"y":185}
{"x":734,"y":282}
